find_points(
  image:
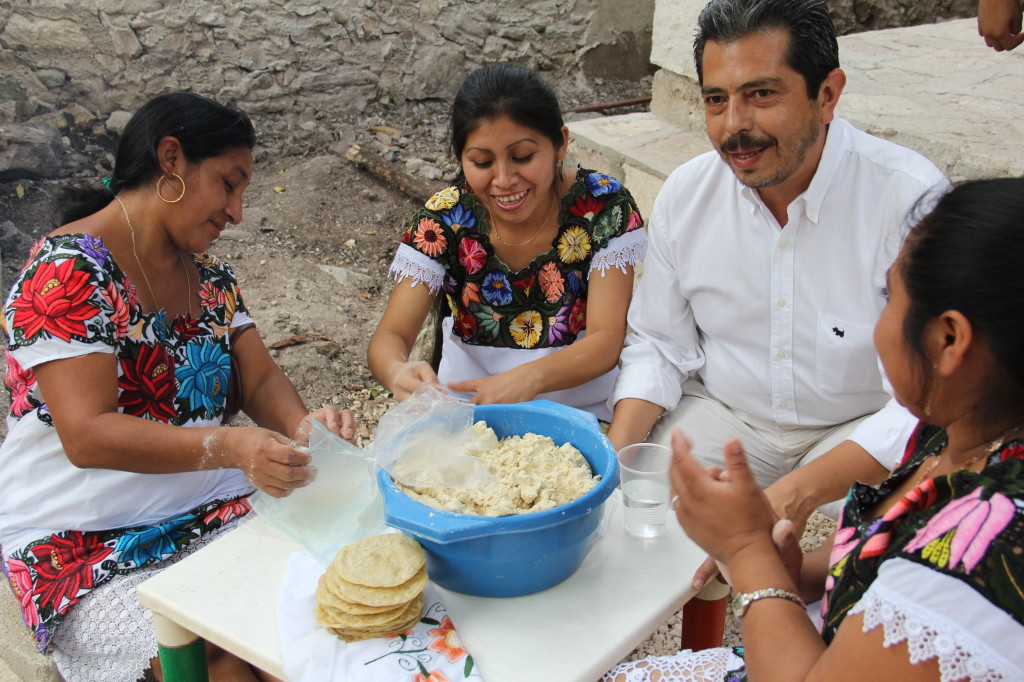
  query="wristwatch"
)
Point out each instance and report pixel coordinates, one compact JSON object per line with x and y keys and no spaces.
{"x":741,"y":602}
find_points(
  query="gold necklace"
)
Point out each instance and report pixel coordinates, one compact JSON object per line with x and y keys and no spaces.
{"x":987,"y":452}
{"x":535,"y":234}
{"x":181,"y":259}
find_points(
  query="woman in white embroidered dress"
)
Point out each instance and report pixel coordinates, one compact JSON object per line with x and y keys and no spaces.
{"x":923,"y":579}
{"x":536,"y":261}
{"x":124,"y":336}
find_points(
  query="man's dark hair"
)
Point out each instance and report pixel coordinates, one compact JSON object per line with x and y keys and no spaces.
{"x":813,"y":50}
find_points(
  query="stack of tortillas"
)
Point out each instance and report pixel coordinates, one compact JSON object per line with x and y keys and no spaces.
{"x":373,"y":588}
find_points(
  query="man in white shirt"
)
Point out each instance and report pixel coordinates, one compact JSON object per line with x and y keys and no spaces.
{"x":754,"y":314}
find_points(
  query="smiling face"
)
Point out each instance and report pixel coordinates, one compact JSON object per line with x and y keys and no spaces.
{"x":759,"y":117}
{"x":213,"y":197}
{"x":511,"y":169}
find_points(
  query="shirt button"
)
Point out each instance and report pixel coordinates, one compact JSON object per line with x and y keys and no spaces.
{"x":812,"y":213}
{"x":781,"y":355}
{"x":783,"y":405}
{"x":782,"y":303}
{"x":782,"y":245}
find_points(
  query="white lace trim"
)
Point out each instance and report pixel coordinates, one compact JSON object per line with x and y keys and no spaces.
{"x":409,"y":262}
{"x":707,"y":665}
{"x":622,"y":251}
{"x":958,"y":657}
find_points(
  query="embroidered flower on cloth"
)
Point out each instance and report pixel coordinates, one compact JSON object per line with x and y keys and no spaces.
{"x":464,"y":324}
{"x":458,"y":217}
{"x":119,"y":310}
{"x":526,"y":328}
{"x":472,"y":256}
{"x":496,"y":289}
{"x":470,"y":293}
{"x":203,"y":380}
{"x":21,"y":583}
{"x":578,"y":316}
{"x":55,"y":300}
{"x":65,"y":563}
{"x":961,"y":533}
{"x":586,"y":207}
{"x":211,"y":296}
{"x":599,"y":183}
{"x":147,"y":384}
{"x":93,"y":247}
{"x":574,"y":245}
{"x":921,"y":497}
{"x":446,"y":641}
{"x":557,"y":327}
{"x":139,"y":545}
{"x":19,"y":382}
{"x":551,"y":282}
{"x":432,"y":676}
{"x":429,"y":238}
{"x":444,"y":199}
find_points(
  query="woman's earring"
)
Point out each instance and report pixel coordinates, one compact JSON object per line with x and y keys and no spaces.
{"x":181,"y":196}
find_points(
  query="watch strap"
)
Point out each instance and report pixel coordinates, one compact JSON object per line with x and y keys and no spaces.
{"x":742,"y":601}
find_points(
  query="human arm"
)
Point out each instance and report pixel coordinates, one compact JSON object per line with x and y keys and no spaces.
{"x":585,"y":359}
{"x":269,"y":397}
{"x":729,"y":517}
{"x":388,"y":351}
{"x":632,"y":421}
{"x":999,"y":23}
{"x":81,"y":394}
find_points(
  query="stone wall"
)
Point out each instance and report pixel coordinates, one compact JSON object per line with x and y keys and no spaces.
{"x":305,"y":60}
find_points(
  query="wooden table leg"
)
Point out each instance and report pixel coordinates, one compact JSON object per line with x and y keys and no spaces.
{"x":182,"y":653}
{"x":704,"y":617}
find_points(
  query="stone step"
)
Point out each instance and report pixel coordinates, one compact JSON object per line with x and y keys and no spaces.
{"x":935,"y":88}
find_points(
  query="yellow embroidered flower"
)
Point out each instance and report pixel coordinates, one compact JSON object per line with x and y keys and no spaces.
{"x":206,"y":259}
{"x":444,"y":199}
{"x":574,"y":245}
{"x":526,"y":328}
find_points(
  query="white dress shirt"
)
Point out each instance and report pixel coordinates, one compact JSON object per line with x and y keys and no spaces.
{"x":777,"y":323}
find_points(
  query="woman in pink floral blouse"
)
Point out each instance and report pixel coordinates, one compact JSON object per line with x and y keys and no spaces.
{"x":536,"y":261}
{"x":128,"y":347}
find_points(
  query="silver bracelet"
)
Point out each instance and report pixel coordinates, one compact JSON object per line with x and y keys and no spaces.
{"x":742,"y":601}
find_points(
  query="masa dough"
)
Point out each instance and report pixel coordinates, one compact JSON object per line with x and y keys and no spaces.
{"x":531,"y":474}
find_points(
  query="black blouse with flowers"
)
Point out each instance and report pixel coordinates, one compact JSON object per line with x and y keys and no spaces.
{"x":544,"y":304}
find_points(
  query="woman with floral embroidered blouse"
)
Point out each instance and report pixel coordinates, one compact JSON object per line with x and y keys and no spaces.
{"x":128,"y":348}
{"x":924,"y":579}
{"x":536,"y":261}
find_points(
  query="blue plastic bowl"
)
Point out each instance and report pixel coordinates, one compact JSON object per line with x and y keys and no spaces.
{"x":508,"y":556}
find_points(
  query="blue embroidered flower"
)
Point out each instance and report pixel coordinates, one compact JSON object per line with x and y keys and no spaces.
{"x":203,"y":378}
{"x":158,"y":324}
{"x":575,"y":283}
{"x":93,"y":247}
{"x":496,"y":289}
{"x":458,"y":217}
{"x":599,"y":184}
{"x":140,"y":545}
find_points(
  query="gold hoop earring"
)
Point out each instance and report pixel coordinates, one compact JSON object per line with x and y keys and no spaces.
{"x":170,"y":201}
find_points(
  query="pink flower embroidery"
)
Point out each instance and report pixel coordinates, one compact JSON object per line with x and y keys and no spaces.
{"x":961,"y":533}
{"x":210,"y":296}
{"x":472,"y":256}
{"x":21,"y":583}
{"x":20,"y":382}
{"x":921,"y":497}
{"x":634,"y":221}
{"x":119,"y":310}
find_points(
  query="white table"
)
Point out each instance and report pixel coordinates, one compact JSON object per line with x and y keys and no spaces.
{"x":227,"y":593}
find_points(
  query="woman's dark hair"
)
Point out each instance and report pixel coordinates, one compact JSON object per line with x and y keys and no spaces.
{"x":205,"y":129}
{"x":965,"y":255}
{"x":509,"y":90}
{"x":813,"y":50}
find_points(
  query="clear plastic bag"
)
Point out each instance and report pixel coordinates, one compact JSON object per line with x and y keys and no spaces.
{"x":423,"y":441}
{"x":341,"y":505}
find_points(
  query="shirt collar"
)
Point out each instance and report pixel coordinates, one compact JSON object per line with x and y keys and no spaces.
{"x":814,"y":196}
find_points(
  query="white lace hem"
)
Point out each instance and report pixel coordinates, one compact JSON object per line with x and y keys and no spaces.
{"x":622,"y":251}
{"x":958,"y":657}
{"x":707,"y":665}
{"x":411,"y":263}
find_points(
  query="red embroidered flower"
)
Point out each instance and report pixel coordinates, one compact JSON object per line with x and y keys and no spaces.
{"x":20,"y":382}
{"x":147,"y":384}
{"x":229,"y":510}
{"x":472,"y":256}
{"x":211,"y":296}
{"x":429,"y":238}
{"x":447,"y":641}
{"x":55,"y":299}
{"x":432,"y":676}
{"x":525,"y":284}
{"x":1013,"y":451}
{"x":186,"y":328}
{"x":578,"y":316}
{"x":465,"y":324}
{"x":64,"y":567}
{"x":119,"y":310}
{"x":21,"y":583}
{"x":587,"y":207}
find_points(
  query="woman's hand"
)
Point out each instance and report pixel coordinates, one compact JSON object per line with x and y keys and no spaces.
{"x":407,"y":376}
{"x":723,"y":511}
{"x":270,"y":461}
{"x":514,"y":386}
{"x":339,"y":422}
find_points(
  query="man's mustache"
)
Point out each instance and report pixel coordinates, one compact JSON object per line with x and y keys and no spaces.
{"x":744,"y":141}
